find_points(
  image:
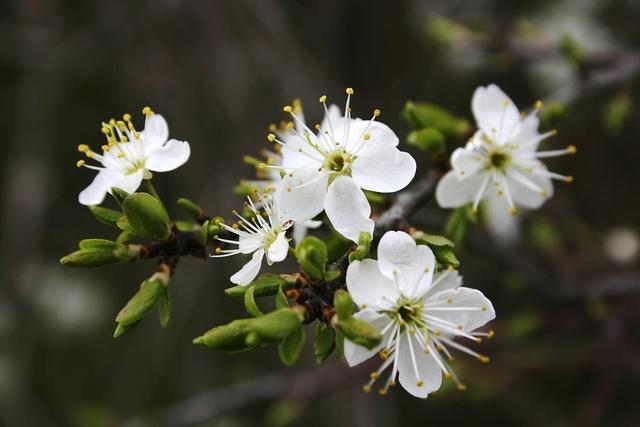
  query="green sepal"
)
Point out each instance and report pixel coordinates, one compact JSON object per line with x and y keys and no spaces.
{"x":342,"y":303}
{"x":429,"y":140}
{"x":123,"y":329}
{"x":146,"y":216}
{"x":311,"y":254}
{"x":424,"y":115}
{"x":105,"y":215}
{"x":191,"y":208}
{"x":361,"y":333}
{"x":363,"y":250}
{"x":291,"y":347}
{"x":281,"y":299}
{"x":119,"y":195}
{"x":266,"y":284}
{"x":250,"y":303}
{"x":164,"y":308}
{"x":324,"y":342}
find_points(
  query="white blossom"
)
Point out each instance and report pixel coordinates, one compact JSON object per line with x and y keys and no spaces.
{"x":259,"y":236}
{"x":502,"y":158}
{"x":329,"y":169}
{"x":419,"y":314}
{"x":130,"y":156}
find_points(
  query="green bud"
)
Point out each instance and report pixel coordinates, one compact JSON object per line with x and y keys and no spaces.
{"x":192,"y":209}
{"x":214,"y":228}
{"x":105,"y":215}
{"x":445,"y":255}
{"x":99,"y":244}
{"x":342,"y":303}
{"x":266,"y":284}
{"x":123,"y":329}
{"x":278,"y":324}
{"x":94,"y":257}
{"x":144,"y":300}
{"x":233,"y":337}
{"x":422,"y":238}
{"x":363,"y":249}
{"x":324,"y":342}
{"x":187,"y":226}
{"x":572,"y":51}
{"x":424,"y":115}
{"x":290,"y":348}
{"x":119,"y":195}
{"x":146,"y":216}
{"x":244,"y":189}
{"x":311,"y":254}
{"x":359,"y":332}
{"x":430,"y":140}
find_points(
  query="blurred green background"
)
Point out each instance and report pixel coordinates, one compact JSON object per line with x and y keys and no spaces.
{"x":566,"y":351}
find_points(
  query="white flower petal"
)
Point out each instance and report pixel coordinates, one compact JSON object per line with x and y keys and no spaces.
{"x":383,"y":168}
{"x":443,"y":281}
{"x":298,"y":152}
{"x":356,"y":354}
{"x":481,"y":310}
{"x":503,"y":227}
{"x":527,"y":197}
{"x":300,"y":229}
{"x":250,"y":270}
{"x":368,"y":287}
{"x":156,"y":131}
{"x":248,"y":242}
{"x":348,"y":208}
{"x":300,"y":195}
{"x":399,"y":258}
{"x":429,"y":373}
{"x":453,"y":192}
{"x":495,"y":113}
{"x":129,"y":182}
{"x":95,"y":193}
{"x":169,"y":156}
{"x":278,"y":249}
{"x":466,"y":163}
{"x":528,"y":131}
{"x":334,"y":116}
{"x":379,"y":133}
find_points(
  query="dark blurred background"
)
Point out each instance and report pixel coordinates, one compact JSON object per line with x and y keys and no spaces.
{"x":566,"y":351}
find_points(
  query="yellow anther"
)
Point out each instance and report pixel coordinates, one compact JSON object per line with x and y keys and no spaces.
{"x":484,"y":308}
{"x":460,"y":327}
{"x":218,"y":250}
{"x":392,"y":383}
{"x":349,"y":91}
{"x":462,"y":387}
{"x":544,"y":193}
{"x":539,"y":105}
{"x":105,"y":148}
{"x":490,"y":334}
{"x":513,"y":210}
{"x":419,"y":383}
{"x":366,"y":388}
{"x":383,"y":392}
{"x":377,"y":112}
{"x":236,"y":226}
{"x":289,"y":125}
{"x":323,"y":99}
{"x":126,"y":117}
{"x":505,"y":102}
{"x":287,"y":109}
{"x":89,"y":154}
{"x":83,"y":148}
{"x":147,"y":111}
{"x":80,"y":163}
{"x":449,"y":301}
{"x":271,"y":137}
{"x":366,"y":137}
{"x":121,"y":125}
{"x":105,"y":130}
{"x":554,"y":132}
{"x":120,"y":155}
{"x":572,"y":149}
{"x":273,"y":127}
{"x":374,"y":375}
{"x":568,"y":178}
{"x":483,"y":359}
{"x":448,"y":375}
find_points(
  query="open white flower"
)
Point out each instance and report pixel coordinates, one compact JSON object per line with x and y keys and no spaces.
{"x":129,"y":156}
{"x":328,"y":170}
{"x":501,"y":158}
{"x":418,"y":316}
{"x":258,"y":236}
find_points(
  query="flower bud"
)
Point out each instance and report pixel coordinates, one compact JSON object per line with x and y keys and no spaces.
{"x":192,"y":209}
{"x":424,"y":115}
{"x":98,"y":252}
{"x":363,"y":249}
{"x":146,"y":216}
{"x":359,"y":332}
{"x":233,"y":337}
{"x":311,"y":254}
{"x":278,"y":324}
{"x":429,"y":140}
{"x":342,"y":303}
{"x":266,"y":284}
{"x":144,"y":300}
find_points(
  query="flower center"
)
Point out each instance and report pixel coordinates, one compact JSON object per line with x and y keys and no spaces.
{"x":408,"y":312}
{"x":338,"y":161}
{"x":499,"y":159}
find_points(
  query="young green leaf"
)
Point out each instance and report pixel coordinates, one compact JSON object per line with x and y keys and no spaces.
{"x":164,"y":308}
{"x":324,"y":342}
{"x":147,"y":216}
{"x":311,"y":254}
{"x":281,"y":299}
{"x":266,"y":284}
{"x":290,"y":348}
{"x":250,"y":303}
{"x":105,"y":215}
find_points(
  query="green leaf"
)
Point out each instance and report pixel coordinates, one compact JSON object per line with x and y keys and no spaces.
{"x":266,"y":284}
{"x":429,"y":140}
{"x":99,"y":244}
{"x":445,"y":255}
{"x":191,"y":208}
{"x":291,"y":347}
{"x":281,"y":299}
{"x":324,"y":342}
{"x":342,"y":303}
{"x":124,"y":237}
{"x":164,"y":308}
{"x":361,"y":333}
{"x":119,"y":195}
{"x":123,"y":224}
{"x":431,"y":239}
{"x":250,"y":303}
{"x":105,"y":215}
{"x":424,"y":115}
{"x":147,"y":216}
{"x":311,"y":254}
